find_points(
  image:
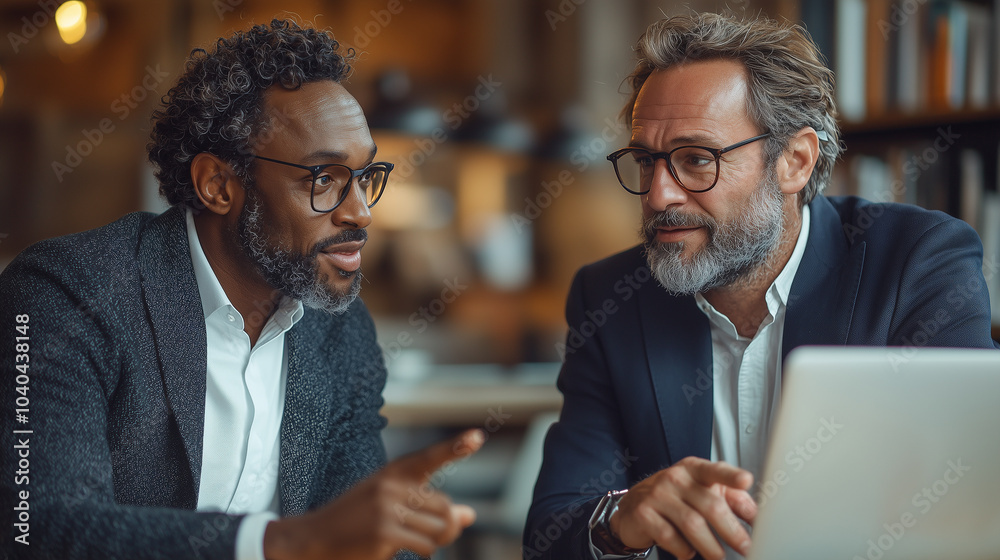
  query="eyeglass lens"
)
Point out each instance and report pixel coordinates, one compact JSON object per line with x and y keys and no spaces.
{"x":331,"y":185}
{"x":695,"y":169}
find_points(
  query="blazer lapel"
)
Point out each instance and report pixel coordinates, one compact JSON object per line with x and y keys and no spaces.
{"x":170,"y":294}
{"x":306,"y":420}
{"x":679,"y":352}
{"x":821,"y":301}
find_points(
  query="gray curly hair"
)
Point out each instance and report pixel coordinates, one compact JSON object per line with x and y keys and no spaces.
{"x":790,"y":86}
{"x":216,"y":106}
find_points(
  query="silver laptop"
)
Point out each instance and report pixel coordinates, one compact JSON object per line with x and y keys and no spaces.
{"x":883,"y":454}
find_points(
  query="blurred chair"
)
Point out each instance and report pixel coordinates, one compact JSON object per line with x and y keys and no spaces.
{"x":500,"y":521}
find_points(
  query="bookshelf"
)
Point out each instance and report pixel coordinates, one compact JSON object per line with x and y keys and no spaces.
{"x":894,"y":124}
{"x":918,"y":88}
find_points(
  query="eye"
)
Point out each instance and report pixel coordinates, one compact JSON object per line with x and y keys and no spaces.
{"x":697,"y":160}
{"x":324,"y":182}
{"x":365,"y":178}
{"x":643,"y":159}
{"x":694,"y":158}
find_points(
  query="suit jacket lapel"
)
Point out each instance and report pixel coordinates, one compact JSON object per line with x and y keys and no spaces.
{"x":170,"y":294}
{"x":305,"y":424}
{"x":821,"y":301}
{"x":679,"y":352}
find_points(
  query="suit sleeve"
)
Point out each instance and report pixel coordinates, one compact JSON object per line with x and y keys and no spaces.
{"x":57,"y":486}
{"x":585,"y":450}
{"x":942,"y":299}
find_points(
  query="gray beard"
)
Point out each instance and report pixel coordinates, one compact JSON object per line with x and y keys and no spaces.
{"x":296,"y":275}
{"x":736,"y":252}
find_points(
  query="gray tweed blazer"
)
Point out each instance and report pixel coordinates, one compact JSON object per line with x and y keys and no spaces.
{"x":116,"y":399}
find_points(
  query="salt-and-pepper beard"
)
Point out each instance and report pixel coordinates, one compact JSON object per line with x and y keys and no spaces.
{"x":735,"y":252}
{"x":294,"y":274}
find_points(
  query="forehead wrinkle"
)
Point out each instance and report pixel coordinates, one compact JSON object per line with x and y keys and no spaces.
{"x":315,"y":115}
{"x":344,"y":107}
{"x":309,"y":115}
{"x":707,"y":106}
{"x":707,"y":98}
{"x":702,"y":130}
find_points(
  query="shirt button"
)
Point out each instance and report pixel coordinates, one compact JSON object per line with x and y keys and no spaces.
{"x":749,"y":428}
{"x":231,"y":318}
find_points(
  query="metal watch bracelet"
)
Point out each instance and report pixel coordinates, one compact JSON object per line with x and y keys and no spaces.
{"x":600,"y":528}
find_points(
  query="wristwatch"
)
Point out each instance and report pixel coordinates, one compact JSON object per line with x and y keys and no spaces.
{"x":600,"y":529}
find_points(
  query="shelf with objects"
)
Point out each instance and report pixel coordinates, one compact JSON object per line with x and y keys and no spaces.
{"x":918,"y":90}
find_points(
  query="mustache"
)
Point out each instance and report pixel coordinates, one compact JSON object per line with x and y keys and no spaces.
{"x":675,"y":218}
{"x":345,"y":236}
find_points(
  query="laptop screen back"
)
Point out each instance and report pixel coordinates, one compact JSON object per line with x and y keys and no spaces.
{"x":883,"y":453}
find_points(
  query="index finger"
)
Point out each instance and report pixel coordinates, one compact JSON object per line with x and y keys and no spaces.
{"x":708,"y":473}
{"x":420,"y":465}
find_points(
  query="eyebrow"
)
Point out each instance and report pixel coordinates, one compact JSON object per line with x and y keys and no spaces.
{"x":337,"y":156}
{"x":695,"y":140}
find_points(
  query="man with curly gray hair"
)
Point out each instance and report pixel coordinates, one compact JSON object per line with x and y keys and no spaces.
{"x":205,"y":383}
{"x":673,"y":359}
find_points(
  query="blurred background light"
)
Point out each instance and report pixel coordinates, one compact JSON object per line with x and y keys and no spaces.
{"x":71,"y":19}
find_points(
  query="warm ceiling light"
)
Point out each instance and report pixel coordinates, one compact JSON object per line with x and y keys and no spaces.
{"x":3,"y":84}
{"x":71,"y":19}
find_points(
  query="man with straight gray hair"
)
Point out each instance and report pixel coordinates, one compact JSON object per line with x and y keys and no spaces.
{"x":670,"y":386}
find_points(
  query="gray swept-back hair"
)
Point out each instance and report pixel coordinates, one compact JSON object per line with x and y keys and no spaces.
{"x":790,"y":86}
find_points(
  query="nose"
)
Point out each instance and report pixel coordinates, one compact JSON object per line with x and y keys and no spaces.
{"x":353,"y":212}
{"x":664,"y":190}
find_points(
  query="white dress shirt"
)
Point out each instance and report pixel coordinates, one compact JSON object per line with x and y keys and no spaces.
{"x":746,"y":379}
{"x":244,"y":402}
{"x":746,"y":375}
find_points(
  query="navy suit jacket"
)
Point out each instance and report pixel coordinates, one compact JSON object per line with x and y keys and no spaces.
{"x":637,"y":376}
{"x":117,"y":373}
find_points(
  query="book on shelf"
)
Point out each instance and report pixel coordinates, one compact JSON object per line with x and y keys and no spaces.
{"x":995,"y":31}
{"x":978,"y":69}
{"x":849,"y":58}
{"x":949,"y":27}
{"x":910,"y":70}
{"x":973,"y":187}
{"x":880,"y":53}
{"x":929,"y":168}
{"x":904,"y":179}
{"x":872,"y":178}
{"x":989,"y":232}
{"x":817,"y":18}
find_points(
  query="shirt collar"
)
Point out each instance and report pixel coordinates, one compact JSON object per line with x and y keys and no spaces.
{"x":213,"y":297}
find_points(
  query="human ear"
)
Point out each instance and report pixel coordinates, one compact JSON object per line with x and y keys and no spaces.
{"x":217,"y":187}
{"x":796,"y":163}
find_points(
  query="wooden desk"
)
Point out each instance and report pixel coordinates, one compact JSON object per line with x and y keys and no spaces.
{"x":487,"y":396}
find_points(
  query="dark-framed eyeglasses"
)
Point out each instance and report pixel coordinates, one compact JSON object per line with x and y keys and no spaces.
{"x":331,"y":182}
{"x":695,"y":168}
